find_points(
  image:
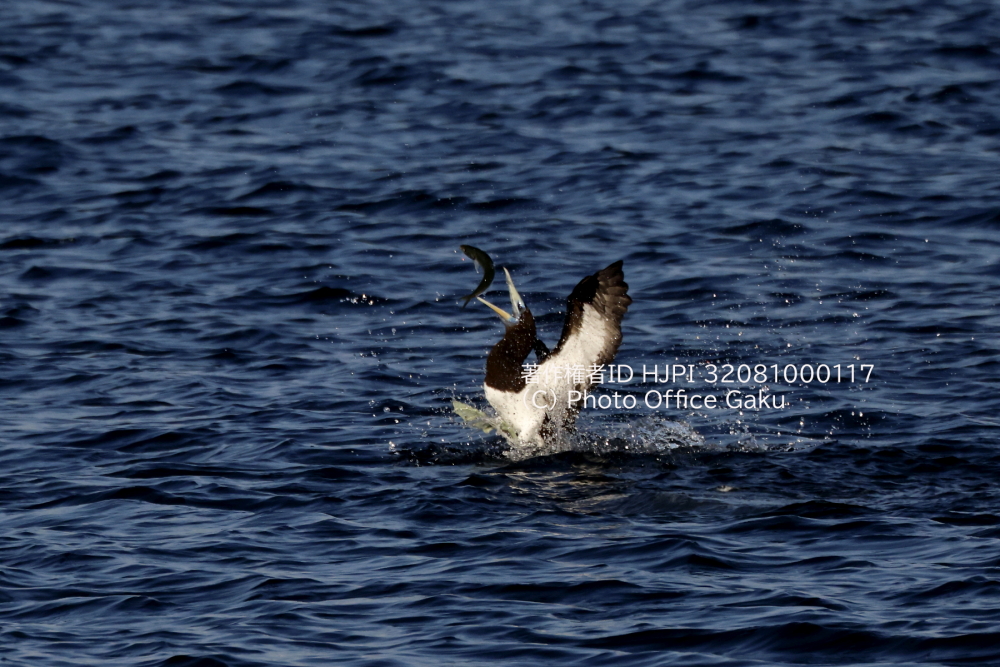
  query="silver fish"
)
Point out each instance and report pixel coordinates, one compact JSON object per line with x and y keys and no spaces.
{"x":482,"y":260}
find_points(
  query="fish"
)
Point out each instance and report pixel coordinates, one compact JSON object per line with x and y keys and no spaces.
{"x":480,"y":420}
{"x":482,"y":260}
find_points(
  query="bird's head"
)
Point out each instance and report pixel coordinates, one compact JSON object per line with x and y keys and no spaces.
{"x":516,"y":304}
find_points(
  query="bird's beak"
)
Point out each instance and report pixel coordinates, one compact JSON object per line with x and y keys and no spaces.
{"x":516,"y":304}
{"x":504,"y":315}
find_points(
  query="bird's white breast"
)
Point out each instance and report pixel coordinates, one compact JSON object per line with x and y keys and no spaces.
{"x":518,"y":411}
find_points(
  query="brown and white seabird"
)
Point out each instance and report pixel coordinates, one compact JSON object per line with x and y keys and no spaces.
{"x":534,"y":409}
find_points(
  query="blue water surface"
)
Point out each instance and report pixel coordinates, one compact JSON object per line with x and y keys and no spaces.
{"x":230,"y":332}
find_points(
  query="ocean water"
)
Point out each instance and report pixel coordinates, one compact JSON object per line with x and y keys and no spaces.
{"x":231,"y":334}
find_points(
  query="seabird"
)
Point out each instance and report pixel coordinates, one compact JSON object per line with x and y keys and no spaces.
{"x":534,"y":408}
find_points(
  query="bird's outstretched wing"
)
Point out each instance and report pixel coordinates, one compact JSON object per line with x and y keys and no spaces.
{"x":592,"y":330}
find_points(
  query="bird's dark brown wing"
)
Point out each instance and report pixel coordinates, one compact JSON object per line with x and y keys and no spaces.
{"x":592,"y":332}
